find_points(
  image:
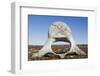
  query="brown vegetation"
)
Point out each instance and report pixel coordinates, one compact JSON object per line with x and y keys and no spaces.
{"x":57,"y":49}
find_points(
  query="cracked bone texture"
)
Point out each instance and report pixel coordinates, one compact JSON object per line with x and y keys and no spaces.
{"x":58,"y":30}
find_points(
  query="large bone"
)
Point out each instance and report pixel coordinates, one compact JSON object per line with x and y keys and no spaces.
{"x":59,"y":30}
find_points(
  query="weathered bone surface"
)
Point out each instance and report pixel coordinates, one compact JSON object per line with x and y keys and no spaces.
{"x":59,"y":31}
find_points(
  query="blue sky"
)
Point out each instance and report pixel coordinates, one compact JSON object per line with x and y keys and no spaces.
{"x":38,"y":28}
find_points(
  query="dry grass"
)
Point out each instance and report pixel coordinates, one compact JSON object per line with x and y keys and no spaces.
{"x":57,"y":49}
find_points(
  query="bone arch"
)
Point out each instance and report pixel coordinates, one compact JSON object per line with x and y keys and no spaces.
{"x":59,"y":31}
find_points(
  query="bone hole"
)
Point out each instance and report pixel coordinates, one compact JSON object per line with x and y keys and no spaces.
{"x":60,"y":47}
